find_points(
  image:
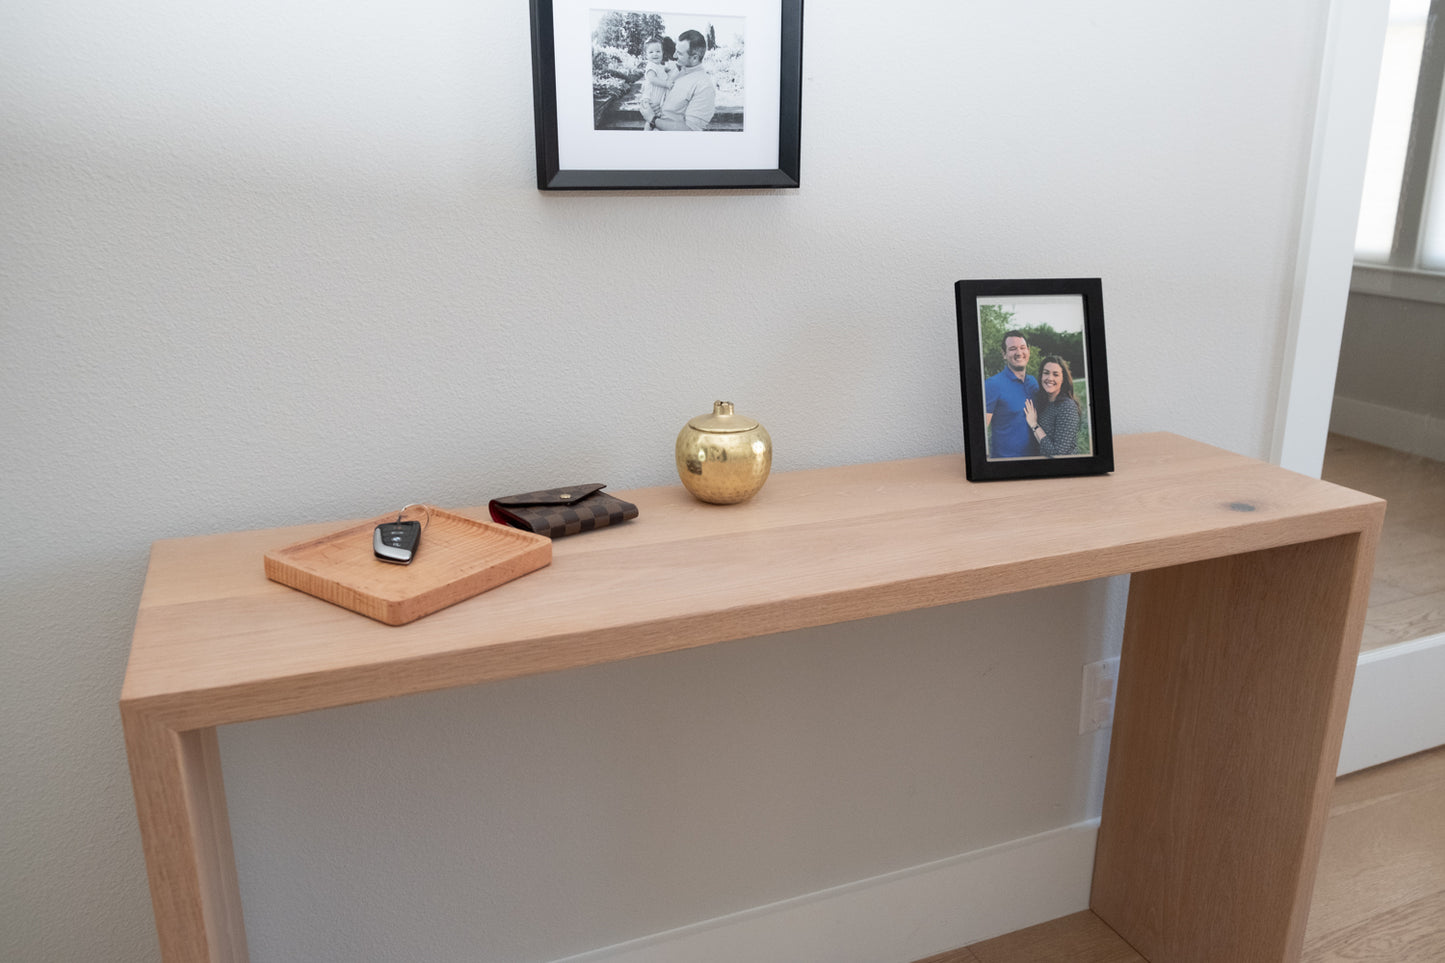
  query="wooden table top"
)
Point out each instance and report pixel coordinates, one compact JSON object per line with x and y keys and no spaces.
{"x":217,"y":642}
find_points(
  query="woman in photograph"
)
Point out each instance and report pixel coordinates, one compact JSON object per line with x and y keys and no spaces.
{"x":1054,"y":419}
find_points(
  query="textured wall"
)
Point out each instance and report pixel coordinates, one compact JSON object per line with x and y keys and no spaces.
{"x":271,"y":262}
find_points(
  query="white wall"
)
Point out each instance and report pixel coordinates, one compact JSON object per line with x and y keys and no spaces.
{"x":224,"y":226}
{"x":1379,"y":333}
{"x":1376,"y":397}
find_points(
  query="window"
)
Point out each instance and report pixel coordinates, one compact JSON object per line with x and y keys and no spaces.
{"x":1402,"y":212}
{"x":1400,"y":241}
{"x":1390,"y":134}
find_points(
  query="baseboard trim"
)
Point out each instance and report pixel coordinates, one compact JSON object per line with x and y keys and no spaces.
{"x":1395,"y":711}
{"x":905,"y":915}
{"x":1395,"y":706}
{"x":1407,"y":431}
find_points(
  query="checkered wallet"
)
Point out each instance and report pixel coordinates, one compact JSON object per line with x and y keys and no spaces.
{"x":562,"y":511}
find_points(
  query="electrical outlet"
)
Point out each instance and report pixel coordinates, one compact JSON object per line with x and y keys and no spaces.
{"x":1096,"y":708}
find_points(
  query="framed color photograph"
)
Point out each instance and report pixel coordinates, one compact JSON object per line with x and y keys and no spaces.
{"x":699,"y":94}
{"x":1035,"y":384}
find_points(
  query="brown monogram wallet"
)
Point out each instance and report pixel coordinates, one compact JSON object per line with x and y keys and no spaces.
{"x":562,"y":511}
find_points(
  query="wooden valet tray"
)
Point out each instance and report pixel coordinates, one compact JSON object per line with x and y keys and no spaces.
{"x":456,"y":558}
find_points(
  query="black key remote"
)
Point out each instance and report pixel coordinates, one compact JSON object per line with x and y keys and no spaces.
{"x":396,"y":541}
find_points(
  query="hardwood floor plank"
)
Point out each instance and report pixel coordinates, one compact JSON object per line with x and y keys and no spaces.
{"x":1383,"y":859}
{"x":1424,"y":576}
{"x":1410,"y":618}
{"x":1401,"y":542}
{"x":1080,"y":938}
{"x":1365,"y":467}
{"x":1411,"y":933}
{"x":1384,"y":849}
{"x":952,"y":956}
{"x":1383,"y":593}
{"x":1422,"y":772}
{"x":1407,"y":597}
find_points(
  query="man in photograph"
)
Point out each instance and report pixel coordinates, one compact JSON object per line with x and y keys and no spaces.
{"x":1004,"y":396}
{"x":692,"y":101}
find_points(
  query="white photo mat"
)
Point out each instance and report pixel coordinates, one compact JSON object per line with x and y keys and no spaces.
{"x":581,"y":147}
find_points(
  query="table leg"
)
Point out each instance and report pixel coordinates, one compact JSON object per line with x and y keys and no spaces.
{"x":1234,"y":682}
{"x":181,"y":803}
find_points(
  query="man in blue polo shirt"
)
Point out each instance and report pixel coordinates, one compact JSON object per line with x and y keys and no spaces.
{"x":1003,"y":402}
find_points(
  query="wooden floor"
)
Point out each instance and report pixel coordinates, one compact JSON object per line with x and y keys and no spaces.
{"x":1407,"y":599}
{"x":1081,"y":938}
{"x":1380,"y":893}
{"x":1379,"y":896}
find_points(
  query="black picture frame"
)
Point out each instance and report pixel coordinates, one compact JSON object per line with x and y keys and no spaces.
{"x":573,"y":156}
{"x":1064,"y":317}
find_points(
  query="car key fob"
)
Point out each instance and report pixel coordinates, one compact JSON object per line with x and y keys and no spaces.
{"x":396,"y":542}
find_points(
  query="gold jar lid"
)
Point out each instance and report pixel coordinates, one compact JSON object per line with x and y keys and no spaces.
{"x":722,"y":418}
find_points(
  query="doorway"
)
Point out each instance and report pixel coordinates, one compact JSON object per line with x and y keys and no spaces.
{"x":1385,"y":432}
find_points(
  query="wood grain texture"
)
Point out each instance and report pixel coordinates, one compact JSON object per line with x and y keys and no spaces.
{"x":216,"y":642}
{"x":1232,"y":692}
{"x":961,"y":955}
{"x":1404,"y":618}
{"x":457,"y":558}
{"x":1407,"y":597}
{"x":186,"y":834}
{"x":1380,"y":894}
{"x":1078,"y":938}
{"x":1412,"y":933}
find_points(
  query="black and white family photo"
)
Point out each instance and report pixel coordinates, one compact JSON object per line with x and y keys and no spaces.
{"x":667,"y":72}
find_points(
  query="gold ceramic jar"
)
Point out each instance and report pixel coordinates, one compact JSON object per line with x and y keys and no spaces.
{"x":723,"y":457}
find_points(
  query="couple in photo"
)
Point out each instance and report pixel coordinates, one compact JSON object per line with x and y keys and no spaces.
{"x":1027,"y":417}
{"x":676,"y":94}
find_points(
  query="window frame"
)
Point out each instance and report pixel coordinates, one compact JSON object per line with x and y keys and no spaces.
{"x":1401,"y":275}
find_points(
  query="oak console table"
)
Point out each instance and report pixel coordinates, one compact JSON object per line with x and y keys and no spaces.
{"x":1244,"y":618}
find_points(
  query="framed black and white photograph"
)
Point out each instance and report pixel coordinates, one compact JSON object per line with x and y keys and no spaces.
{"x":1035,"y":381}
{"x":700,"y":94}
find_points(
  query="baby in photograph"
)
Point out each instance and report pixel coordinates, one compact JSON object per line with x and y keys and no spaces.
{"x":658,"y":72}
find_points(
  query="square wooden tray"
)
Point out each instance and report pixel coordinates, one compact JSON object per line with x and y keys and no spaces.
{"x":456,"y":558}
